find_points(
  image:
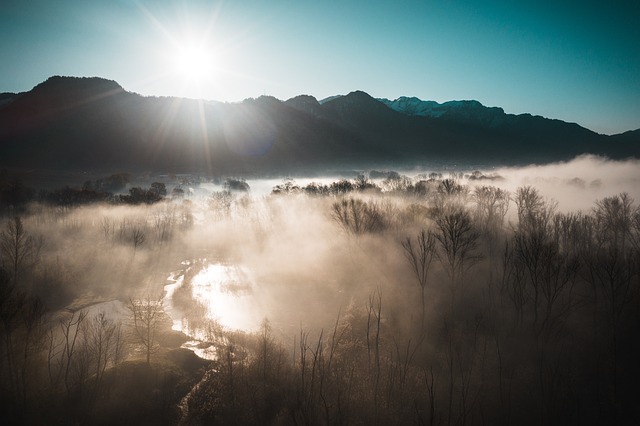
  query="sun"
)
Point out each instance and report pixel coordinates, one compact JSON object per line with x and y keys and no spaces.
{"x":192,"y":54}
{"x":194,"y":63}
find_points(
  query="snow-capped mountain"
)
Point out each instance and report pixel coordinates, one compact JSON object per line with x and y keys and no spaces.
{"x":469,"y":110}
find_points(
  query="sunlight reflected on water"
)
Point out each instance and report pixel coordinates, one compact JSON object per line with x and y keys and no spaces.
{"x":169,"y":289}
{"x":229,"y":296}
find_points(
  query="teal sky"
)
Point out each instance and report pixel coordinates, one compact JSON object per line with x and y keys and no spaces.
{"x":576,"y":61}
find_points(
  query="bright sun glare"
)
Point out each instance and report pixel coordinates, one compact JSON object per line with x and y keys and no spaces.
{"x":193,"y":56}
{"x":194,"y":63}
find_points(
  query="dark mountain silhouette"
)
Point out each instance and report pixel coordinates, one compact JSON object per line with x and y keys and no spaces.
{"x":92,"y":123}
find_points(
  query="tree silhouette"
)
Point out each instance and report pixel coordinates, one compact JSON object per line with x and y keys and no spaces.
{"x":458,"y":240}
{"x":420,"y":255}
{"x":357,"y":216}
{"x":146,"y":315}
{"x":18,"y":248}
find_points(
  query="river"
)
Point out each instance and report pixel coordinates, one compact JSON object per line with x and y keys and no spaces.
{"x":227,"y":297}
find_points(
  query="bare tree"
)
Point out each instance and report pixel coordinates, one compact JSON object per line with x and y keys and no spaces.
{"x":102,"y":340}
{"x":534,"y":212}
{"x":107,"y":226}
{"x":21,"y":334}
{"x":611,"y":260}
{"x":458,"y":240}
{"x":450,"y":187}
{"x":164,"y":221}
{"x":220,"y":204}
{"x":614,"y":216}
{"x":18,"y":248}
{"x":357,"y":216}
{"x":635,"y":229}
{"x":138,"y":237}
{"x":532,"y":238}
{"x":147,"y":315}
{"x":450,"y":195}
{"x":492,"y":205}
{"x":420,"y":256}
{"x":71,"y":329}
{"x":568,"y":232}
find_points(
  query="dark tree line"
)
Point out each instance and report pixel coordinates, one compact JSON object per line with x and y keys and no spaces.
{"x":15,"y":196}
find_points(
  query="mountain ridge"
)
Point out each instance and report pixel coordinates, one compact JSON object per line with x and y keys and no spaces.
{"x":74,"y":122}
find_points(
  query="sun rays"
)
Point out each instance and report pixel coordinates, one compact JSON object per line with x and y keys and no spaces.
{"x":190,"y":52}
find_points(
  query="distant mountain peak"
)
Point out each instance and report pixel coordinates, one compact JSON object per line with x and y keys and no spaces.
{"x":356,"y":101}
{"x":58,"y":91}
{"x":305,"y":103}
{"x":358,"y":94}
{"x":304,"y":98}
{"x":78,"y":83}
{"x":355,"y":97}
{"x":329,"y":99}
{"x":470,"y":111}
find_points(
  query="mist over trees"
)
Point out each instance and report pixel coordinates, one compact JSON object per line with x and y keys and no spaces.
{"x":511,"y":307}
{"x":433,"y":300}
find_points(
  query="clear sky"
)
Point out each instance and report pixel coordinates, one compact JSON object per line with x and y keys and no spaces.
{"x":576,"y":61}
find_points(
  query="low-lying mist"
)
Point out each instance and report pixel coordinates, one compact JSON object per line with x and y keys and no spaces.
{"x":442,"y":297}
{"x":577,"y":184}
{"x":305,"y":264}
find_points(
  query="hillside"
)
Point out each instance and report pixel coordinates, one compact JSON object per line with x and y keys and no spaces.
{"x":70,"y":123}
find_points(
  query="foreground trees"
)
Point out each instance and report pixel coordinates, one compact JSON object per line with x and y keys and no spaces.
{"x":531,"y":331}
{"x":457,"y":312}
{"x":21,"y":334}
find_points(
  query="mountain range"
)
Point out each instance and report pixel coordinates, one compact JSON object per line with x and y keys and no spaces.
{"x":72,"y":123}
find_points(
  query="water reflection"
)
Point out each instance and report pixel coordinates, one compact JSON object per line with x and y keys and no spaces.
{"x":227,"y":294}
{"x":174,"y":282}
